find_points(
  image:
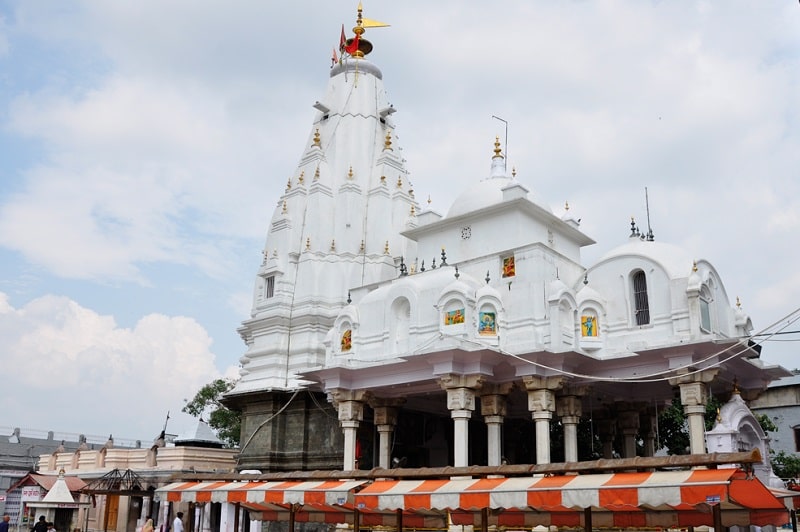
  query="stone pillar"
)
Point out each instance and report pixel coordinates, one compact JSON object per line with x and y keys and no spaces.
{"x":493,"y":410}
{"x":568,"y":408}
{"x":647,"y":426}
{"x":607,"y":430}
{"x":461,"y":402}
{"x":385,"y":418}
{"x":628,"y":423}
{"x":541,"y":403}
{"x":350,"y":405}
{"x":694,"y":396}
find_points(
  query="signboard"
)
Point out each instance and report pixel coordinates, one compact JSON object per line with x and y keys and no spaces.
{"x":712,"y":499}
{"x":32,"y":493}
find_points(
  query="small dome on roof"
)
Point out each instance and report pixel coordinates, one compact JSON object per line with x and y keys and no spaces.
{"x":200,"y":435}
{"x":675,"y":261}
{"x":485,"y":194}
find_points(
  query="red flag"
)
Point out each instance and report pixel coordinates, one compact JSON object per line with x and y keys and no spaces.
{"x":342,"y":40}
{"x":353,"y":46}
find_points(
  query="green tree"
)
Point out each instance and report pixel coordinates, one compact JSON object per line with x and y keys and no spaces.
{"x":225,"y":422}
{"x":786,"y":465}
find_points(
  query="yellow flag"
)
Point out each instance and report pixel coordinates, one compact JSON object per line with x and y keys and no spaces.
{"x":369,"y":23}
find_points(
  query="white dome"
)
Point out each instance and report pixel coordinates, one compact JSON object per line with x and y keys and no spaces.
{"x":675,"y":261}
{"x":480,"y":195}
{"x":484,"y":194}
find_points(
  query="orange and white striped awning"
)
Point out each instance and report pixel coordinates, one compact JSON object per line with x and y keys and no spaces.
{"x":316,"y":501}
{"x":674,"y":498}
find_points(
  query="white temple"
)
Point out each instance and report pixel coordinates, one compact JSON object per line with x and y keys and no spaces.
{"x":460,"y":324}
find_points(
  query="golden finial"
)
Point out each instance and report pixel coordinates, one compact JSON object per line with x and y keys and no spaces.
{"x":386,"y":248}
{"x":497,"y":148}
{"x":694,"y":266}
{"x":289,"y":184}
{"x":361,"y":249}
{"x":333,"y":245}
{"x":350,"y":173}
{"x":412,"y":269}
{"x":383,"y":180}
{"x":387,"y":144}
{"x":719,"y":416}
{"x":566,"y":205}
{"x":736,"y":386}
{"x":738,"y":303}
{"x":284,"y":210}
{"x":316,"y":139}
{"x":316,"y":174}
{"x":429,"y":199}
{"x":302,"y":177}
{"x":308,"y":243}
{"x":513,"y":171}
{"x":411,"y":192}
{"x":399,"y":182}
{"x":413,"y":211}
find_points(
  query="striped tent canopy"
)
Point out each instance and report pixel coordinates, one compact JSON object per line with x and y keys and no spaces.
{"x":674,"y":498}
{"x":329,"y":501}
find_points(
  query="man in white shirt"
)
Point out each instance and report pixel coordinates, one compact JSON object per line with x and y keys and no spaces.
{"x":177,"y":524}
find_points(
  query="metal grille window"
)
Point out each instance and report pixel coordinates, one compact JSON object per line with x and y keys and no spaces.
{"x":269,"y":290}
{"x":642,"y":312}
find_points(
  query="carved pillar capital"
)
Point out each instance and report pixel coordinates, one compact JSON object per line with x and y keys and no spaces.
{"x":541,"y":401}
{"x":569,"y":406}
{"x":460,"y":399}
{"x":452,"y":380}
{"x":537,"y":382}
{"x":349,"y":404}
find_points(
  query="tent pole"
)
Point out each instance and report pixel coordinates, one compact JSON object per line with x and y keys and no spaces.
{"x":484,"y":520}
{"x":716,"y":512}
{"x":236,"y":517}
{"x":793,"y":515}
{"x":587,"y":519}
{"x":291,"y":517}
{"x":356,"y":520}
{"x":399,"y":513}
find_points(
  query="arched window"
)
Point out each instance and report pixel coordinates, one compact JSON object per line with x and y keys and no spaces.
{"x":642,"y":306}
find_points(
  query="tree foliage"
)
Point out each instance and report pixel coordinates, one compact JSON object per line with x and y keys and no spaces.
{"x":206,"y":405}
{"x":786,"y":465}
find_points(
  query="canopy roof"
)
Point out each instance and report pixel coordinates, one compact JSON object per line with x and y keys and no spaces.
{"x":676,"y":498}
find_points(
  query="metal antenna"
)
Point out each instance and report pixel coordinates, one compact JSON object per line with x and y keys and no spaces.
{"x":650,"y":237}
{"x":505,"y":161}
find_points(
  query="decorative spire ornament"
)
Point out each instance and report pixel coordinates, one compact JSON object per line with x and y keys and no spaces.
{"x":422,"y":268}
{"x":316,"y":139}
{"x":289,"y":184}
{"x":487,"y":277}
{"x":403,"y":269}
{"x":284,"y":210}
{"x":316,"y":174}
{"x":738,"y":303}
{"x":333,"y":245}
{"x":361,"y":248}
{"x":386,"y":248}
{"x":350,"y":173}
{"x":444,"y":258}
{"x":399,"y":182}
{"x":497,"y":151}
{"x":513,"y":171}
{"x":308,"y":243}
{"x":349,"y":299}
{"x":413,"y":211}
{"x":383,"y":180}
{"x":302,"y":177}
{"x":387,"y":143}
{"x":457,"y":275}
{"x":694,"y":266}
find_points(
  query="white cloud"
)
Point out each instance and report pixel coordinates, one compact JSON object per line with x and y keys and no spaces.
{"x":78,"y":369}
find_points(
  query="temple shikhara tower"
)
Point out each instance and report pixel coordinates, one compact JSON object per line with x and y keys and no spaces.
{"x":383,"y":333}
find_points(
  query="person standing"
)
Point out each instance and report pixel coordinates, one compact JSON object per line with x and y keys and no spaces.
{"x":41,"y":525}
{"x":177,"y":525}
{"x":4,"y":523}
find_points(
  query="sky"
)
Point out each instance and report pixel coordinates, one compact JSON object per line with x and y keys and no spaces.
{"x":144,"y":146}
